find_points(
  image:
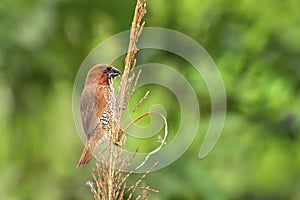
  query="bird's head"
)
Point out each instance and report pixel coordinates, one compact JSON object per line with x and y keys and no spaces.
{"x":102,"y":74}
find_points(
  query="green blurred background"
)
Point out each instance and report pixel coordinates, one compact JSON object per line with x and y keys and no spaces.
{"x":256,"y":45}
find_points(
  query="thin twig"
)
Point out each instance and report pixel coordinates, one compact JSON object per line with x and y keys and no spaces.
{"x":140,"y":102}
{"x":135,"y":83}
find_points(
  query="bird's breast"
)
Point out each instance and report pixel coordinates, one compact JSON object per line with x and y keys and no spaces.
{"x":108,"y":114}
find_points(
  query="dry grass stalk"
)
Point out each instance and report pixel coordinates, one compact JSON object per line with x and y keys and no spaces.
{"x":110,"y":182}
{"x":130,"y":62}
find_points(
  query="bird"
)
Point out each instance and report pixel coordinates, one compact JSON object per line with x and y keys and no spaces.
{"x":97,"y":104}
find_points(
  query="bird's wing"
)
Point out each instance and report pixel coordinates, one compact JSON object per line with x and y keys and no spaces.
{"x":93,"y":102}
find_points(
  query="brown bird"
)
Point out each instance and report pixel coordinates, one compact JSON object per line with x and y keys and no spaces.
{"x":97,"y":104}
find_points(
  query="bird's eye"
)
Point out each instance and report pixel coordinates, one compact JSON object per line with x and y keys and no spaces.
{"x":104,"y":69}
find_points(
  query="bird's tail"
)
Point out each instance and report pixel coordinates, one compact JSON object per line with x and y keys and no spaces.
{"x":86,"y":155}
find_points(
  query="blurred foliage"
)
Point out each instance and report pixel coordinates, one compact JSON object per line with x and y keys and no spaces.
{"x":255,"y":45}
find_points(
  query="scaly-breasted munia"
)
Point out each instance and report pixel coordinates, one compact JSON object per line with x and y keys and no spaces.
{"x":97,"y":104}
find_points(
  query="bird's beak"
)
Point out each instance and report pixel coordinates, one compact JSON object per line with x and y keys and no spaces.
{"x":114,"y":72}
